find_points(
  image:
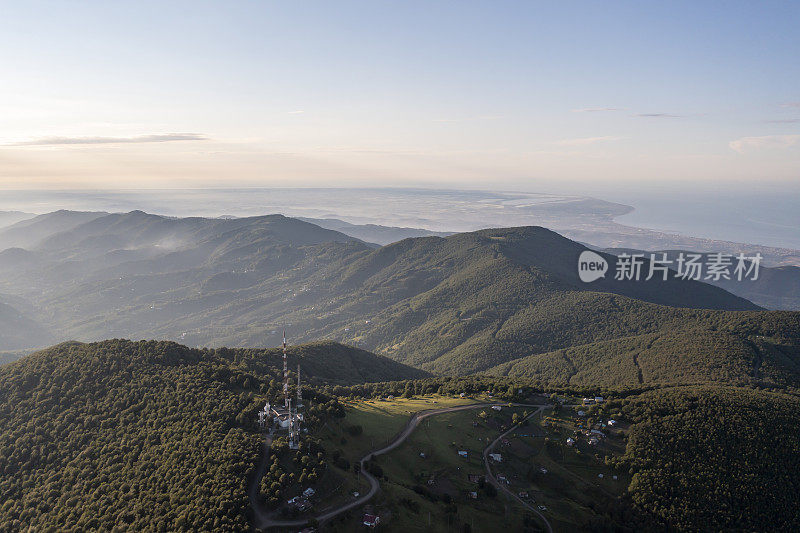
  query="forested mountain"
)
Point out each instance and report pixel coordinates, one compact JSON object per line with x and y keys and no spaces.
{"x":147,"y":436}
{"x":672,"y":347}
{"x":19,"y":331}
{"x":12,"y":217}
{"x":374,"y":233}
{"x":29,"y":232}
{"x":459,"y":304}
{"x":775,"y":288}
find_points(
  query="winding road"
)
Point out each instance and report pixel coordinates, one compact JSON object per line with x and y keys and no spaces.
{"x":262,"y":519}
{"x":502,"y":486}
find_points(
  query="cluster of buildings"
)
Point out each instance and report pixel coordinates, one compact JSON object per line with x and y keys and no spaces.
{"x":593,"y":434}
{"x":302,"y":503}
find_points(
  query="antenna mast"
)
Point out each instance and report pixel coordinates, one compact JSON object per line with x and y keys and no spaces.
{"x":299,"y":390}
{"x":285,"y":375}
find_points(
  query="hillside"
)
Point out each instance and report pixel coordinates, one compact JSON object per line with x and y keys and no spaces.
{"x":12,"y":217}
{"x":20,"y":331}
{"x":145,"y":436}
{"x":674,"y":347}
{"x":375,"y":233}
{"x":30,"y":231}
{"x":720,"y":459}
{"x":326,"y":362}
{"x":156,"y":436}
{"x":129,"y":435}
{"x":454,"y":305}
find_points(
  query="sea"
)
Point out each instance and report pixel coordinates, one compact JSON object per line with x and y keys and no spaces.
{"x":768,"y":216}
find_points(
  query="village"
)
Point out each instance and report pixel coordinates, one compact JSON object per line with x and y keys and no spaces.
{"x":544,"y":454}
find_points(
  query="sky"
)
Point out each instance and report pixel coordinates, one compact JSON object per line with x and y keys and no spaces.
{"x":535,"y":96}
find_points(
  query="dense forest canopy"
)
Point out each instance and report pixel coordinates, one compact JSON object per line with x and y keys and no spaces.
{"x":157,"y":436}
{"x":149,"y":436}
{"x":715,"y":458}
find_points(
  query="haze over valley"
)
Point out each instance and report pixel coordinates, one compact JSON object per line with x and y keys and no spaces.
{"x":435,"y":267}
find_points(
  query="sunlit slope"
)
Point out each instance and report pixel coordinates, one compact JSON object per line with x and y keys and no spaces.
{"x":734,"y":348}
{"x":453,"y":305}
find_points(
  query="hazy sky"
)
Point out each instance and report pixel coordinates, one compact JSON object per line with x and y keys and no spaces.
{"x":469,"y":94}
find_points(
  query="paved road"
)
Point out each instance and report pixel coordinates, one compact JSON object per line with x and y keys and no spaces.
{"x":263,"y":520}
{"x":502,"y":486}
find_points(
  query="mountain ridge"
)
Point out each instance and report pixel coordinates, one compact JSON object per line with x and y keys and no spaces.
{"x":459,"y":304}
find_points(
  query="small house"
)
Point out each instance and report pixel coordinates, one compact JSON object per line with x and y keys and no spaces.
{"x":598,"y":399}
{"x":497,"y":408}
{"x":612,"y":422}
{"x":496,"y":457}
{"x":570,"y":441}
{"x":309,"y":492}
{"x":303,"y":505}
{"x":371,"y":520}
{"x":462,"y":453}
{"x":473,"y":495}
{"x":523,"y":495}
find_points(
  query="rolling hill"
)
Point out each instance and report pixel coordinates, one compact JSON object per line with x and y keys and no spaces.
{"x":688,"y":347}
{"x":8,"y":218}
{"x":147,"y":436}
{"x":375,"y":233}
{"x":455,"y":305}
{"x":30,"y":231}
{"x":20,"y":331}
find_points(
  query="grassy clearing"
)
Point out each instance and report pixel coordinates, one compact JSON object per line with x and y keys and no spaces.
{"x":431,"y":493}
{"x":380,"y":422}
{"x":440,"y":438}
{"x":571,"y":488}
{"x":445,"y":504}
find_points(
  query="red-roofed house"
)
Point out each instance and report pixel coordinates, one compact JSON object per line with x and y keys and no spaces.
{"x":371,"y":520}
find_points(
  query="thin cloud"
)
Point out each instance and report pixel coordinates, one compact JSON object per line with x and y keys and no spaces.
{"x":746,"y":144}
{"x":298,"y":112}
{"x":469,"y":119}
{"x":155,"y":138}
{"x":794,"y":105}
{"x":783,"y":121}
{"x":585,"y":141}
{"x":597,"y":109}
{"x":657,"y":115}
